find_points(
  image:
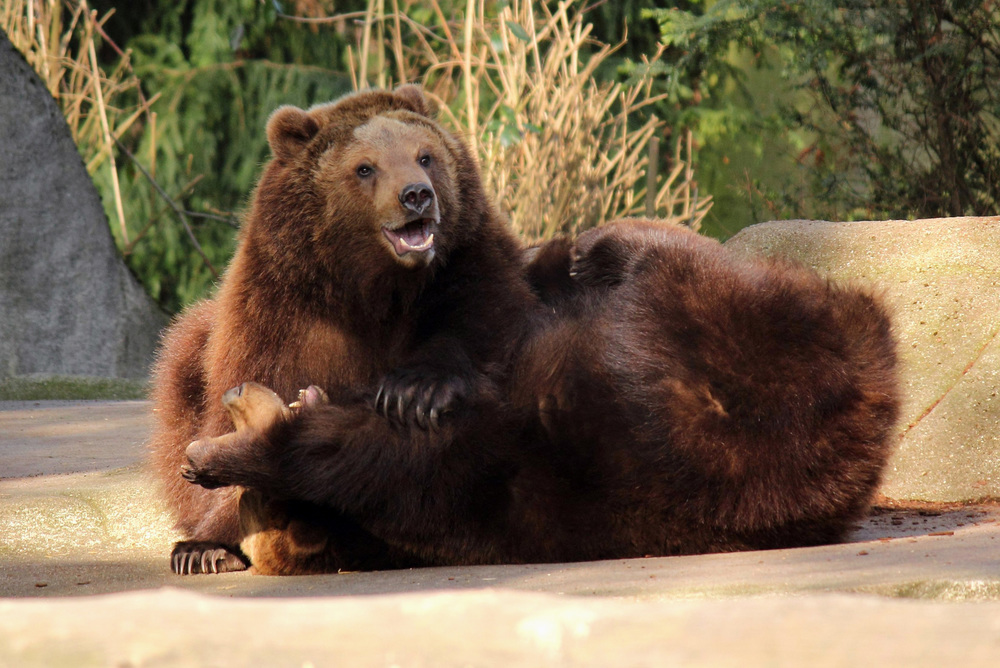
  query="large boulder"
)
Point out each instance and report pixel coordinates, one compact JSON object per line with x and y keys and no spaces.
{"x":68,"y":304}
{"x":942,"y":279}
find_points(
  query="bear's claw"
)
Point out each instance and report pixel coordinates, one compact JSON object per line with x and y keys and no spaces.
{"x":412,"y":398}
{"x":309,"y":397}
{"x":191,"y":557}
{"x":198,"y":469}
{"x":201,"y":478}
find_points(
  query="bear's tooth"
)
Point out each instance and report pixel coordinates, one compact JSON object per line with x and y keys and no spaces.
{"x":427,"y":243}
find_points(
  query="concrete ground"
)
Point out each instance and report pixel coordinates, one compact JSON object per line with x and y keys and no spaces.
{"x":85,"y":581}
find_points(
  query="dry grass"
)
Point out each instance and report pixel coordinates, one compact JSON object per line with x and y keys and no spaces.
{"x":59,"y":40}
{"x":562,"y":150}
{"x":555,"y":143}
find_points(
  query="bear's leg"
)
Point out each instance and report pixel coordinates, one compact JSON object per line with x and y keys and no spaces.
{"x":208,"y":518}
{"x":278,"y":543}
{"x":253,"y":408}
{"x":390,"y":497}
{"x":218,"y":519}
{"x":276,"y":539}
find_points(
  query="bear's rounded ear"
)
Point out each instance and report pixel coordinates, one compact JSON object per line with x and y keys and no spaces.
{"x":414,"y":96}
{"x":288,"y":130}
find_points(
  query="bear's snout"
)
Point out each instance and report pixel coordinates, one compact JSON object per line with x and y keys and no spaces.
{"x":417,"y":197}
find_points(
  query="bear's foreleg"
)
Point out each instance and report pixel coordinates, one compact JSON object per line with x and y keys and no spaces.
{"x":254,"y":408}
{"x":434,"y":383}
{"x":427,"y":493}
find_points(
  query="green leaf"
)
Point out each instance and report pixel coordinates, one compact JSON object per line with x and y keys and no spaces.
{"x":519,"y":32}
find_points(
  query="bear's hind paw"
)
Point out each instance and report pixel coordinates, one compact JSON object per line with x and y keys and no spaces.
{"x":606,"y":256}
{"x":308,"y":398}
{"x":191,"y":557}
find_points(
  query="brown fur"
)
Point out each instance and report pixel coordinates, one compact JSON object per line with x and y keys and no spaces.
{"x":748,"y":403}
{"x":317,"y":294}
{"x":667,"y":397}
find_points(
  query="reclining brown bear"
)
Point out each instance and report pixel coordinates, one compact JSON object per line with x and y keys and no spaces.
{"x":664,"y":397}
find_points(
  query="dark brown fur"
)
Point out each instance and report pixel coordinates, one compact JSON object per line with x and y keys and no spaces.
{"x":748,"y":404}
{"x":667,"y":398}
{"x":316,"y":295}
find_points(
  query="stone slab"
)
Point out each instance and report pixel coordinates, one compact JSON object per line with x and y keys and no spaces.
{"x":495,"y":628}
{"x":105,"y":530}
{"x":54,"y":437}
{"x":68,"y":304}
{"x":942,"y":279}
{"x":105,"y":533}
{"x":84,"y":581}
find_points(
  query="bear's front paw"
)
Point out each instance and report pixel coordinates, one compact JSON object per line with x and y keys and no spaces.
{"x":201,"y":469}
{"x":190,"y":557}
{"x":599,"y":258}
{"x":414,"y":397}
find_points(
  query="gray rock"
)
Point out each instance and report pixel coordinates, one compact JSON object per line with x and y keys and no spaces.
{"x":68,"y":304}
{"x":941,"y":278}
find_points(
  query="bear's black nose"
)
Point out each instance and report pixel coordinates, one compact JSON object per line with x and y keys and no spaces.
{"x":416,"y":197}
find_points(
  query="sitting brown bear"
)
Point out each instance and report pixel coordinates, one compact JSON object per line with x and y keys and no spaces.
{"x":370,"y":263}
{"x":666,"y":397}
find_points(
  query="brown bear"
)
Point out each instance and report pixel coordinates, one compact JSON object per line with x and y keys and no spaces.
{"x":371,"y":265}
{"x":666,"y":397}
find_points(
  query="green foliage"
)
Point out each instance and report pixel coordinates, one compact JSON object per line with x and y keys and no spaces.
{"x":904,"y":98}
{"x":220,"y":68}
{"x":822,"y":109}
{"x":852,"y":109}
{"x":41,"y":388}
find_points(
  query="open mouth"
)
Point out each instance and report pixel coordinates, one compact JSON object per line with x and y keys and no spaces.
{"x":414,"y":237}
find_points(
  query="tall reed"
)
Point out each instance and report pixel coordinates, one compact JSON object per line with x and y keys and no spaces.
{"x":59,"y":39}
{"x":561,"y":149}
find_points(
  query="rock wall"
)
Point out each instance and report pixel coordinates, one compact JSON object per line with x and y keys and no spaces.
{"x":68,"y":304}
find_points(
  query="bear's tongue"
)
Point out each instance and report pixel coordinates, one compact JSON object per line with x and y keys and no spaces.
{"x":413,"y":237}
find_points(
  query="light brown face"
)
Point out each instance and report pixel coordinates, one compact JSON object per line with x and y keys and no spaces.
{"x":395,"y":168}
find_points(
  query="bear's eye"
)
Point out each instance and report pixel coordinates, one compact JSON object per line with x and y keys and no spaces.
{"x":364,"y":171}
{"x":425,"y":161}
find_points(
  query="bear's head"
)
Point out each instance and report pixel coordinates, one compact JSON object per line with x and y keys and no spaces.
{"x":368,"y":184}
